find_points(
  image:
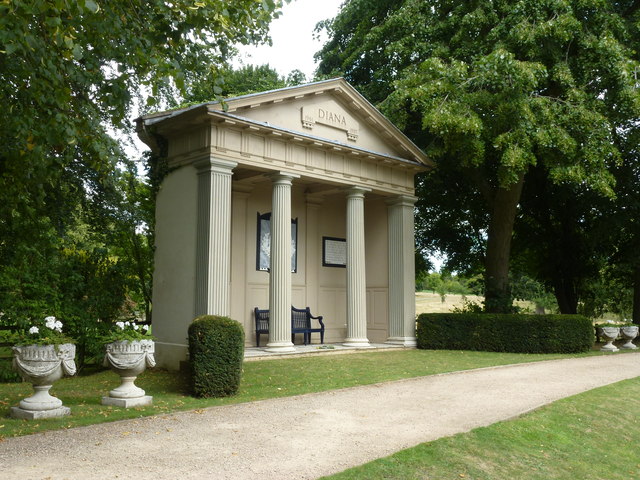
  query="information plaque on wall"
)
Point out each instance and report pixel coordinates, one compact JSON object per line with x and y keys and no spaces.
{"x":334,"y":252}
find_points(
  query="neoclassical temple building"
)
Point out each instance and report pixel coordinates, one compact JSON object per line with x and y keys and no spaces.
{"x":301,"y":196}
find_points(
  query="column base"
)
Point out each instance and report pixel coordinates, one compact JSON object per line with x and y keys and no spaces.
{"x":356,"y":342}
{"x":404,"y":341}
{"x":280,"y":347}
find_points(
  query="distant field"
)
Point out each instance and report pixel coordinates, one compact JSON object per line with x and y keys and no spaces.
{"x":427,"y":302}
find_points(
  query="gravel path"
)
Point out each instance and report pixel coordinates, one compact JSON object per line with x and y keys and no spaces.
{"x":307,"y":436}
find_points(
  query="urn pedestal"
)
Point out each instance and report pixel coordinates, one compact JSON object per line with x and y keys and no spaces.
{"x":629,"y":333}
{"x":609,"y":334}
{"x":129,"y":359}
{"x":42,"y":365}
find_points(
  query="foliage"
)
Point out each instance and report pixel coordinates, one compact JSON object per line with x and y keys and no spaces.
{"x":68,"y":69}
{"x":76,"y":222}
{"x":527,"y":289}
{"x":505,"y":333}
{"x":43,"y":332}
{"x":127,"y":331}
{"x":225,"y":82}
{"x":216,"y":351}
{"x":444,"y":283}
{"x":491,"y":90}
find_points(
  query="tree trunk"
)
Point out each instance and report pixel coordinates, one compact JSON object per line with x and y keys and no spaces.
{"x":636,"y":295}
{"x":566,"y":295}
{"x":497,"y":295}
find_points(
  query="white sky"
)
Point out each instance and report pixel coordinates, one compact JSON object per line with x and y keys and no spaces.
{"x":292,"y":35}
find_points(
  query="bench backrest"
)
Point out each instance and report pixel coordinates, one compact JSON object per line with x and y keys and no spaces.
{"x":300,"y":318}
{"x":262,"y":320}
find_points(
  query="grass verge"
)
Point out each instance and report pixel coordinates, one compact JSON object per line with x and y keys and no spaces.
{"x":593,"y":435}
{"x":260,"y":380}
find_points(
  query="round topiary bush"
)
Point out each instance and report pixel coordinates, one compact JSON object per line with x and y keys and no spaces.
{"x":216,"y":351}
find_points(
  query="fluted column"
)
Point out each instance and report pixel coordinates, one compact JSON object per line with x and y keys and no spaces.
{"x":356,"y":272}
{"x":280,"y":270}
{"x":213,"y":241}
{"x":402,"y":303}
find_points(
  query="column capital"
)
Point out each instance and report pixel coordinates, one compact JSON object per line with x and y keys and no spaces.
{"x":356,"y":192}
{"x":283,"y":178}
{"x":211,"y":164}
{"x":402,"y":200}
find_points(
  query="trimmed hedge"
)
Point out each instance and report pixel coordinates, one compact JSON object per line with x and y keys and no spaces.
{"x":505,"y":332}
{"x":216,"y":351}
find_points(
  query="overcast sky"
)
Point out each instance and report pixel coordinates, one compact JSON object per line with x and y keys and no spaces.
{"x":292,"y":34}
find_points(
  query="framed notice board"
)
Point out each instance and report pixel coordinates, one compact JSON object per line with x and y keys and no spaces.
{"x":334,"y":252}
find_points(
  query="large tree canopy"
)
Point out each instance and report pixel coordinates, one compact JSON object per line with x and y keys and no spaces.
{"x":491,"y":89}
{"x":69,"y":68}
{"x":72,"y":217}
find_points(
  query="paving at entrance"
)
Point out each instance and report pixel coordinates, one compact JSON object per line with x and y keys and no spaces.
{"x":307,"y":436}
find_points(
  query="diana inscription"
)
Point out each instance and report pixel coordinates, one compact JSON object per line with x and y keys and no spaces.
{"x":330,"y":114}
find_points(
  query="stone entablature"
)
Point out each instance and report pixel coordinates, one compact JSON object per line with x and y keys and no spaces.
{"x":264,"y":150}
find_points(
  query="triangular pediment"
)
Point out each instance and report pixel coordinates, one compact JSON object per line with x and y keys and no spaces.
{"x":331,"y":110}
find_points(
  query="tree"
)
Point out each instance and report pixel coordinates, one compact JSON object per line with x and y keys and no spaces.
{"x":69,"y":72}
{"x":494,"y":88}
{"x":563,"y":237}
{"x":225,"y":81}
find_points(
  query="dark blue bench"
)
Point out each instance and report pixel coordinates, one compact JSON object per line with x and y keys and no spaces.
{"x":301,"y":322}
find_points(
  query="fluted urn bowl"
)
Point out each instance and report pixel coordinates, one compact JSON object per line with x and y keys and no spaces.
{"x":609,"y":334}
{"x":629,"y":333}
{"x":129,"y":359}
{"x":42,"y":365}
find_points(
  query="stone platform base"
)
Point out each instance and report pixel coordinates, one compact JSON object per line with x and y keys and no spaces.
{"x":17,"y":412}
{"x":128,"y":402}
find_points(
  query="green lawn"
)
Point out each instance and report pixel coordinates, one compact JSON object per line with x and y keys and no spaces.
{"x":594,"y":435}
{"x":262,"y":379}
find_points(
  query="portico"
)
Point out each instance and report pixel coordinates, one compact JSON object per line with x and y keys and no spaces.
{"x":301,"y":196}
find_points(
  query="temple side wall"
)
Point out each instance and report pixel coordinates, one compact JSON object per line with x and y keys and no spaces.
{"x":175,"y":260}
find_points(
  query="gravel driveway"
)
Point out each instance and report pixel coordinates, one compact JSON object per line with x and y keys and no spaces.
{"x":307,"y":436}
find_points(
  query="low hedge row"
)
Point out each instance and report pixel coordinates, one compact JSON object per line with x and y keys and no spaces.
{"x":505,"y":332}
{"x":216,"y":352}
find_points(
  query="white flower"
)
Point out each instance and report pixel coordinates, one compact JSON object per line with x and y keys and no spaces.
{"x":50,"y":322}
{"x":127,"y":324}
{"x":34,"y":330}
{"x":135,"y":327}
{"x":120,"y":325}
{"x":145,"y":328}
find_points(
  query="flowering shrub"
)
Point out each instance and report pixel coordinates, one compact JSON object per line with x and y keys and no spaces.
{"x":127,"y":331}
{"x":44,"y":332}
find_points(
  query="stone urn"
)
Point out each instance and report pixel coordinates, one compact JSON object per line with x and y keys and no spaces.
{"x":41,"y":365}
{"x":129,"y":359}
{"x":629,"y":333}
{"x":609,"y":334}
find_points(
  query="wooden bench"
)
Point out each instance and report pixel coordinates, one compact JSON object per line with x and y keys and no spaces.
{"x":301,"y":322}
